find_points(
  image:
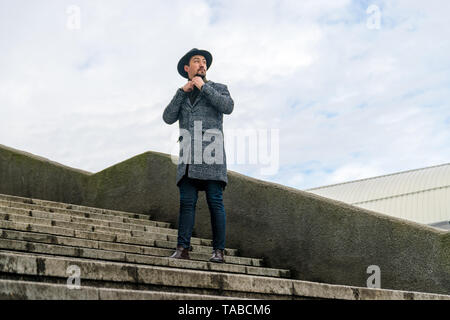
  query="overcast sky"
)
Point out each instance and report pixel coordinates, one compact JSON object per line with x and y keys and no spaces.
{"x":354,"y":88}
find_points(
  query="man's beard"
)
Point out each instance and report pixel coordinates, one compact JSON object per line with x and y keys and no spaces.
{"x":201,"y":75}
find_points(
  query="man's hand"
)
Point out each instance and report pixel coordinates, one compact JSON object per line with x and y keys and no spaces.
{"x":188,"y":87}
{"x":198,"y":82}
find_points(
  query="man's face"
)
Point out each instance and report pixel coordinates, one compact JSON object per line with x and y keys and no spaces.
{"x":196,"y":67}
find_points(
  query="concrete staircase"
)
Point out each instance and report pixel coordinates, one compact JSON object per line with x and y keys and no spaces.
{"x":46,"y":246}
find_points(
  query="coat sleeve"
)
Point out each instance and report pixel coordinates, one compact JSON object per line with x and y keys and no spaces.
{"x":171,"y":113}
{"x":220,"y":98}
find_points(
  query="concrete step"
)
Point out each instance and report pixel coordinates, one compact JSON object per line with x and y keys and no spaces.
{"x":121,"y":243}
{"x":28,"y":290}
{"x":124,"y":255}
{"x":83,"y":214}
{"x":19,"y":266}
{"x":22,"y":216}
{"x":69,"y":206}
{"x":150,"y":226}
{"x":20,"y":205}
{"x":32,"y":246}
{"x":103,"y":232}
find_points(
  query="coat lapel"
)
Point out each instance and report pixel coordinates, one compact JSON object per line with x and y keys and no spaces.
{"x":188,"y":104}
{"x":199,"y":97}
{"x":195,"y":106}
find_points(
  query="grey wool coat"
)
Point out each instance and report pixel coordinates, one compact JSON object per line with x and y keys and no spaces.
{"x":202,"y":148}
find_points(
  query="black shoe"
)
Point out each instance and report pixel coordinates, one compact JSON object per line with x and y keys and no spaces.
{"x":181,"y":253}
{"x":217,"y":256}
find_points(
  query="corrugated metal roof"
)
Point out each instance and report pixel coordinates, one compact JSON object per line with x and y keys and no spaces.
{"x":421,"y":195}
{"x":445,"y":225}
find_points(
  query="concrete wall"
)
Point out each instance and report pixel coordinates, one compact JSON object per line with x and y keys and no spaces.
{"x":28,"y":175}
{"x":317,"y":239}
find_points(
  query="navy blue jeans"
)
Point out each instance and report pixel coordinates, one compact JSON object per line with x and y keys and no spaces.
{"x":188,"y":200}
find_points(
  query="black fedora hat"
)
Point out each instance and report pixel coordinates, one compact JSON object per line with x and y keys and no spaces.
{"x":187,"y":57}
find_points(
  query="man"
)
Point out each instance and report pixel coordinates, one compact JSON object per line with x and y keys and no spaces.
{"x":199,"y":107}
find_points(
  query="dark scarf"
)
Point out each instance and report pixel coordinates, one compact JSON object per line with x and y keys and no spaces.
{"x":194,"y":93}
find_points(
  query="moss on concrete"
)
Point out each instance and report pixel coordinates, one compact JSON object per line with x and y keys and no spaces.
{"x":27,"y":175}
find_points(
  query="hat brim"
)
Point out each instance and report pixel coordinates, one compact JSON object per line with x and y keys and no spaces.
{"x":187,"y":57}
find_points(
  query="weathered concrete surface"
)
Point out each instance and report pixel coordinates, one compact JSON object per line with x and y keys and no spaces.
{"x":225,"y":284}
{"x":28,"y":290}
{"x":25,"y":174}
{"x":23,"y":217}
{"x":317,"y":239}
{"x":86,"y":239}
{"x":27,"y":242}
{"x":49,"y":206}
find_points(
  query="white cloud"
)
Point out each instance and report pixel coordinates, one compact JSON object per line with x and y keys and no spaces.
{"x":353,"y":171}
